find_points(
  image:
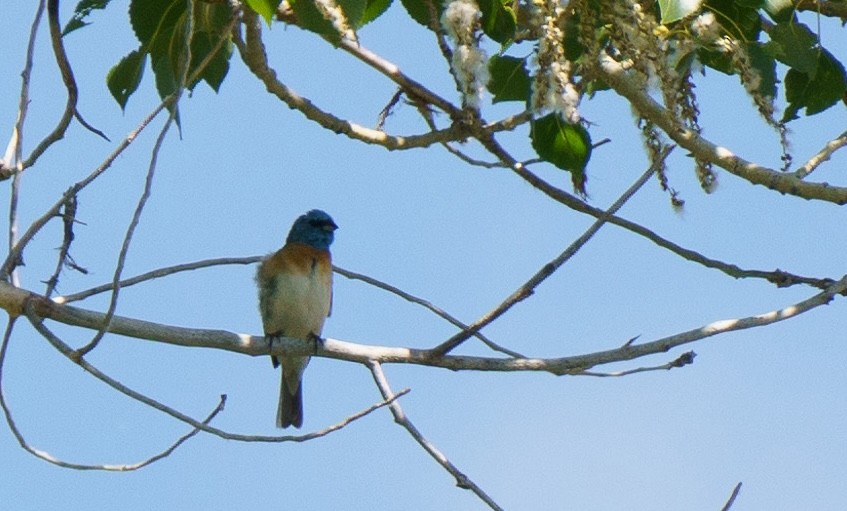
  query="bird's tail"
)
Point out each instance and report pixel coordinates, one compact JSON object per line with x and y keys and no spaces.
{"x":290,"y":410}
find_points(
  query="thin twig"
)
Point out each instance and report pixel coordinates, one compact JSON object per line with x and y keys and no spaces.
{"x":155,"y":274}
{"x":732,"y":497}
{"x":14,"y":157}
{"x":38,"y":323}
{"x":252,"y":51}
{"x":528,"y":288}
{"x":681,"y":361}
{"x":462,"y":480}
{"x":823,"y":155}
{"x":426,"y":304}
{"x":67,"y":77}
{"x":388,"y":108}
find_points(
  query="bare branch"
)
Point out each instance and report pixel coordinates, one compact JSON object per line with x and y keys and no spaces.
{"x":680,"y":361}
{"x":616,"y":76}
{"x":823,"y":155}
{"x":253,"y":54}
{"x":462,"y":480}
{"x":528,"y":288}
{"x":14,"y":300}
{"x":14,"y":257}
{"x":732,"y":497}
{"x":426,"y":304}
{"x":155,"y":274}
{"x":12,"y":163}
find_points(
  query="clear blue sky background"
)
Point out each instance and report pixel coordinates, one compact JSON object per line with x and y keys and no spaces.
{"x":764,"y":406}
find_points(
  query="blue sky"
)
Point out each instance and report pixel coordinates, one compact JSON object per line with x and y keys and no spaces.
{"x":763,"y":406}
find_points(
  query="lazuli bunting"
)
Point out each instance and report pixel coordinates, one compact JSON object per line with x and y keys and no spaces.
{"x":295,"y":295}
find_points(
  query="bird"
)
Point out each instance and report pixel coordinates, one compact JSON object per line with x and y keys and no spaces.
{"x":295,"y":298}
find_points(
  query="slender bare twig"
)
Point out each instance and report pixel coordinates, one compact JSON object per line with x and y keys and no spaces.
{"x":15,"y":254}
{"x":400,"y":417}
{"x":823,"y":155}
{"x":68,"y":219}
{"x":13,"y":160}
{"x":732,"y":497}
{"x":252,"y":52}
{"x":31,"y":312}
{"x":388,"y":109}
{"x":680,"y":361}
{"x":528,"y":288}
{"x":70,"y":86}
{"x":426,"y":304}
{"x":155,"y":274}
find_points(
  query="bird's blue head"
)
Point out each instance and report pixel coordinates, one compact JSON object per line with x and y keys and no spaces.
{"x":315,"y":228}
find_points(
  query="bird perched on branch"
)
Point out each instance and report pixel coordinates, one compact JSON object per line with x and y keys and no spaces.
{"x":295,"y":295}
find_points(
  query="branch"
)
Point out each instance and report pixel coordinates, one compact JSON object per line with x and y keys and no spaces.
{"x":616,"y":76}
{"x":683,"y":360}
{"x":732,"y":497}
{"x":462,"y":481}
{"x":823,"y":155}
{"x":13,"y":300}
{"x":528,"y":288}
{"x":12,"y":163}
{"x":155,"y":274}
{"x":253,"y":54}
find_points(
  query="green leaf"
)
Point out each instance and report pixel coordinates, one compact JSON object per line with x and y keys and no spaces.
{"x":499,"y":19}
{"x":160,"y":27}
{"x":565,"y":145}
{"x":210,"y":23}
{"x":374,"y":9}
{"x":419,"y":10}
{"x":675,"y":10}
{"x":216,"y":70}
{"x":124,"y":77}
{"x":265,"y":8}
{"x":509,"y":79}
{"x":83,"y":9}
{"x":765,"y":65}
{"x":354,"y":11}
{"x":739,"y":19}
{"x":818,"y":92}
{"x":311,"y":19}
{"x":794,"y":45}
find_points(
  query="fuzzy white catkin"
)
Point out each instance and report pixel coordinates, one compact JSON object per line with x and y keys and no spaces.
{"x":470,"y":62}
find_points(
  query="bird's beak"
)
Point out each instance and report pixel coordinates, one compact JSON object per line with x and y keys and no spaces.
{"x":330,"y":226}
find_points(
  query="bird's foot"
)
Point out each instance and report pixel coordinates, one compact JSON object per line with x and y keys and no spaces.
{"x":317,"y":340}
